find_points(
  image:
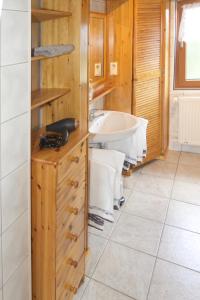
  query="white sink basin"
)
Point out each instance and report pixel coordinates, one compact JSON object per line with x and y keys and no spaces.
{"x":112,"y":126}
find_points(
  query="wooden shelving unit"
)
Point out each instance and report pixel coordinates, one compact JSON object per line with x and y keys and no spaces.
{"x":43,"y":96}
{"x":40,"y":15}
{"x":102,"y":92}
{"x":62,"y":81}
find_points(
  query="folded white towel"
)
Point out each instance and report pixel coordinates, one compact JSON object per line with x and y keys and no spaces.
{"x":101,"y":194}
{"x":53,"y":50}
{"x":115,"y":159}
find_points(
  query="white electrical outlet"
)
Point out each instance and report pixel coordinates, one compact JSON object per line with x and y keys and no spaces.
{"x":98,"y":70}
{"x":114,"y":68}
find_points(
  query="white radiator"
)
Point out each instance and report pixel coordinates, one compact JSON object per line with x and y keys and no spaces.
{"x":189,"y":121}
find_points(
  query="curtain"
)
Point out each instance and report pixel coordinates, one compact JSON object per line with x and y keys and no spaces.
{"x":190,"y":23}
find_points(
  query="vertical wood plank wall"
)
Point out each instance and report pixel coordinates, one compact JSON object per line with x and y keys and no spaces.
{"x":166,"y":75}
{"x":147,"y":70}
{"x":120,"y":27}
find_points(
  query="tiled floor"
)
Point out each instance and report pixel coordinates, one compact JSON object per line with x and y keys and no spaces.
{"x":152,"y":252}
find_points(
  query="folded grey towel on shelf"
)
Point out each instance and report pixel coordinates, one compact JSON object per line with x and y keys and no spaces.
{"x":53,"y":50}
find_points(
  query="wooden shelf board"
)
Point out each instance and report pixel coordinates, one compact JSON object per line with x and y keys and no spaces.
{"x":102,"y":92}
{"x":40,"y":14}
{"x":53,"y":156}
{"x":38,"y":58}
{"x":42,"y":96}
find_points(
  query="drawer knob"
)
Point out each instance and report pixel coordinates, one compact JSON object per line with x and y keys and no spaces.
{"x":73,"y":210}
{"x":74,"y":184}
{"x":75,"y":159}
{"x":72,"y":236}
{"x":73,"y":263}
{"x":71,"y":288}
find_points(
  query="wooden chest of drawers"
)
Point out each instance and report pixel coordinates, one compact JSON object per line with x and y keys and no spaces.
{"x":59,"y":222}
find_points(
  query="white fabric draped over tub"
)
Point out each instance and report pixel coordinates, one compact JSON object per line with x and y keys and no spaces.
{"x":134,"y":147}
{"x":106,"y":189}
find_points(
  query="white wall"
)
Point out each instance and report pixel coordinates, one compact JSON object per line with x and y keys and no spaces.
{"x":174,"y":96}
{"x":15,"y":150}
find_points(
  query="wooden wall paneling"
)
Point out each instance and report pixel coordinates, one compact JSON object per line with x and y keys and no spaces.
{"x":147,"y":69}
{"x":97,"y":45}
{"x":68,"y":71}
{"x":84,"y":72}
{"x":120,"y":28}
{"x":166,"y":75}
{"x":35,"y":67}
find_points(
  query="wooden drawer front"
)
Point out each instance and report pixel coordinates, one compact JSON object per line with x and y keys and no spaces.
{"x":70,"y":258}
{"x":71,"y":188}
{"x":71,"y":161}
{"x":70,"y":209}
{"x":68,"y":232}
{"x":68,"y":288}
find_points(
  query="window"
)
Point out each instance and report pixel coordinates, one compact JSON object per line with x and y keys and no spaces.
{"x":187,"y":67}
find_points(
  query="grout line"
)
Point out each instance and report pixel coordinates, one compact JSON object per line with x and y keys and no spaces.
{"x":15,"y":117}
{"x":142,"y":217}
{"x":184,"y":201}
{"x":16,"y":269}
{"x":108,"y":286}
{"x":97,"y":262}
{"x":15,"y":64}
{"x":86,"y":287}
{"x":15,"y":10}
{"x":178,"y":265}
{"x":131,"y":248}
{"x":107,"y":241}
{"x":162,"y":231}
{"x":15,"y":220}
{"x":181,"y":228}
{"x":15,"y":170}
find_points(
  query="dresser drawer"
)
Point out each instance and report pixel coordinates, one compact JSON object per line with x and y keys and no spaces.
{"x":71,"y":209}
{"x":71,"y":188}
{"x":73,"y":160}
{"x":67,"y":289}
{"x":70,"y":258}
{"x":68,"y":232}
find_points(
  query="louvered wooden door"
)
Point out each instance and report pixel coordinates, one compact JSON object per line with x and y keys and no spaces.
{"x":147,"y":70}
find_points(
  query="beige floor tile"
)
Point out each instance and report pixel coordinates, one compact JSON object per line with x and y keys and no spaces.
{"x":126,"y":270}
{"x":184,"y":215}
{"x":81,"y":289}
{"x":138,"y":233}
{"x":181,"y":247}
{"x":187,"y":192}
{"x":160,"y":168}
{"x":130,"y":181}
{"x":172,"y":156}
{"x":191,"y":159}
{"x":154,"y":185}
{"x":171,"y":282}
{"x":147,"y":206}
{"x":96,"y":248}
{"x":97,"y":291}
{"x":108,"y":227}
{"x":189,"y":174}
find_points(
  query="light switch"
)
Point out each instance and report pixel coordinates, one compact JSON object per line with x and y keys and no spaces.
{"x":97,"y":70}
{"x":114,"y":68}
